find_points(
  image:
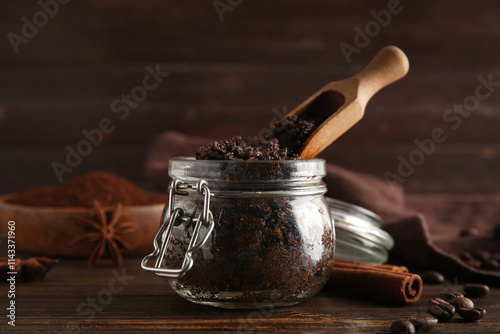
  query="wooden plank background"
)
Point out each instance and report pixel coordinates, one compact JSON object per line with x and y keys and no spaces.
{"x":226,"y":77}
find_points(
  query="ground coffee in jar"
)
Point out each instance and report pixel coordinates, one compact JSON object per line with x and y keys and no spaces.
{"x":247,"y":224}
{"x":285,"y":141}
{"x":245,"y":234}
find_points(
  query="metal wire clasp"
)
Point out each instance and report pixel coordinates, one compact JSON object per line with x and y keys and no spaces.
{"x":173,"y":217}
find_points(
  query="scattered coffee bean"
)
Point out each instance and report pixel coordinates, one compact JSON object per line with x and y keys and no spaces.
{"x":474,"y":290}
{"x":490,"y":264}
{"x":481,"y":255}
{"x":441,"y":310}
{"x":440,"y":314}
{"x":495,"y":256}
{"x":473,"y":263}
{"x":447,"y":296}
{"x":496,"y":231}
{"x":402,"y":327}
{"x":469,"y":232}
{"x":462,"y":302}
{"x":423,"y":324}
{"x":474,"y":314}
{"x":432,"y":277}
{"x":466,"y":256}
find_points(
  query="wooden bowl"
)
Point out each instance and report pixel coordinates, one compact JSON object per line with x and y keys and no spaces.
{"x":51,"y":231}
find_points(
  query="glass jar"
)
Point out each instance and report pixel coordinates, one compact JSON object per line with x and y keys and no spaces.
{"x":245,"y":234}
{"x":360,"y":237}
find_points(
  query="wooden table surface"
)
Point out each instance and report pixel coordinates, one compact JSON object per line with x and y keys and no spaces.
{"x":74,"y":298}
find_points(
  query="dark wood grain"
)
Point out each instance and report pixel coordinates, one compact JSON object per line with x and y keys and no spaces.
{"x":32,"y":166}
{"x":147,"y":304}
{"x":227,"y":77}
{"x":433,"y":33}
{"x":54,"y":106}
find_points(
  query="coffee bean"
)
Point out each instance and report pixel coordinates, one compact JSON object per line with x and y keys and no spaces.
{"x":473,"y":263}
{"x":423,"y":324}
{"x":474,"y":314}
{"x":440,"y":314}
{"x":432,"y":277}
{"x":490,"y":264}
{"x":474,"y":290}
{"x":462,"y":302}
{"x":495,"y":256}
{"x":466,"y":256}
{"x":447,"y":296}
{"x":481,"y":255}
{"x":468,"y":232}
{"x":441,"y":310}
{"x":402,"y":327}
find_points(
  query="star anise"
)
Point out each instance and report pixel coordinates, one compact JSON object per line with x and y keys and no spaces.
{"x":105,"y":233}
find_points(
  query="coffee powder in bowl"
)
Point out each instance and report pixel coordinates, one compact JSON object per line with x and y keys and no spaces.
{"x":91,"y":215}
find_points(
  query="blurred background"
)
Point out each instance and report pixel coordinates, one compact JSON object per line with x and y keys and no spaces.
{"x":232,"y":66}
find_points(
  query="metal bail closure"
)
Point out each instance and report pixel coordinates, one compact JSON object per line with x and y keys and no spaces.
{"x":174,"y":217}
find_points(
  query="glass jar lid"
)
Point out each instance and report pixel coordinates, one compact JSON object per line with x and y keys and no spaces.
{"x":360,"y":237}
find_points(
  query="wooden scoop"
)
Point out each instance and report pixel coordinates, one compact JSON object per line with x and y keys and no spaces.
{"x":345,"y":100}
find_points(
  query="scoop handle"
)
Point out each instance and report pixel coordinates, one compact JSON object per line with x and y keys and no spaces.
{"x":388,"y":65}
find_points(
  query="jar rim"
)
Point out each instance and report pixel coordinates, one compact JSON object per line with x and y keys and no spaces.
{"x":247,"y":170}
{"x":283,"y":161}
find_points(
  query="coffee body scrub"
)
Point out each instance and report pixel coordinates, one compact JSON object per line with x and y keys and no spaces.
{"x":283,"y":143}
{"x":269,"y":239}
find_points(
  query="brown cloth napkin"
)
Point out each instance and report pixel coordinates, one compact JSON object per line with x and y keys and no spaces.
{"x":425,"y":229}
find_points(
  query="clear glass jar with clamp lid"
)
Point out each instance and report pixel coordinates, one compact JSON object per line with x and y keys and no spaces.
{"x":245,"y":234}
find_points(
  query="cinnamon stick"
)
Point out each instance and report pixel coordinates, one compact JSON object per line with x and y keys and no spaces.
{"x":365,"y":265}
{"x":382,"y":282}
